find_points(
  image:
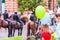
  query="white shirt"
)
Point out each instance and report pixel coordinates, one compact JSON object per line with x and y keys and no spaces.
{"x":51,"y":12}
{"x":58,"y":11}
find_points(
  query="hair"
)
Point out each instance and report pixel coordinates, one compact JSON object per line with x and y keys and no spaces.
{"x":57,"y":15}
{"x":5,"y":10}
{"x":39,"y":28}
{"x":45,"y":27}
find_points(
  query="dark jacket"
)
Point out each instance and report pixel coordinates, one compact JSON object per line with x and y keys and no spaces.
{"x":15,"y":17}
{"x":5,"y":15}
{"x":32,"y":17}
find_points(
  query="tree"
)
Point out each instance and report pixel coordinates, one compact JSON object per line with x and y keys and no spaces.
{"x":58,"y":1}
{"x":30,"y":4}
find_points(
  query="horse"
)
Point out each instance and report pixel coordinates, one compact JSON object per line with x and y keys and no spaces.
{"x":33,"y":26}
{"x":11,"y":25}
{"x":16,"y":25}
{"x":6,"y":24}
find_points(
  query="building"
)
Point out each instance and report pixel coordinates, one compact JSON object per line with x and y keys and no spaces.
{"x":11,"y":5}
{"x":51,"y":4}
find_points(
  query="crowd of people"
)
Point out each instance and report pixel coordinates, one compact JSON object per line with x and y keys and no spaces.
{"x":43,"y":32}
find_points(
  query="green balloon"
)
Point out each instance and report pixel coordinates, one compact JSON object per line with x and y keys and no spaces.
{"x":40,"y":12}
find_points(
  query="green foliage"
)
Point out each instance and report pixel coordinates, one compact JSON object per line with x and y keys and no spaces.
{"x":59,"y":1}
{"x":30,"y":4}
{"x":13,"y":38}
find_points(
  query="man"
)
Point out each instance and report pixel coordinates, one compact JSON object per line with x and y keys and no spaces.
{"x":5,"y":15}
{"x":15,"y":17}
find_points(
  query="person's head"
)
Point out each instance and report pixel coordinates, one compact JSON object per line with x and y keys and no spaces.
{"x":33,"y":13}
{"x":21,"y":13}
{"x":57,"y":17}
{"x":5,"y":10}
{"x":40,"y":29}
{"x":15,"y":13}
{"x":45,"y":28}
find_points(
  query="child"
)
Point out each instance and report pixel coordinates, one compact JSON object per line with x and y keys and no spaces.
{"x":45,"y":34}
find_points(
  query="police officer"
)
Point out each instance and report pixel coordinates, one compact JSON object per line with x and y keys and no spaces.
{"x":5,"y":15}
{"x":15,"y":17}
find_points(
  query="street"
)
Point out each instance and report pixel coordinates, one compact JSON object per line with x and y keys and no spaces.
{"x":4,"y":33}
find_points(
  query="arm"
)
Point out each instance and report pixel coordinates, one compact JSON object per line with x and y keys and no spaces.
{"x":42,"y":38}
{"x":37,"y":30}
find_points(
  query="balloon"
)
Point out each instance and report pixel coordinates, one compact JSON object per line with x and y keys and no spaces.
{"x":40,"y":12}
{"x":45,"y":19}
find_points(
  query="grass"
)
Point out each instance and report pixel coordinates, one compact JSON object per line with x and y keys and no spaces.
{"x":13,"y":38}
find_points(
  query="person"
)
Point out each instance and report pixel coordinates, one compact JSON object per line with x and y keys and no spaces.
{"x":38,"y":33}
{"x":15,"y":17}
{"x":46,"y":35}
{"x":5,"y":15}
{"x":51,"y":13}
{"x":57,"y":18}
{"x":52,"y":20}
{"x":24,"y":18}
{"x":32,"y":16}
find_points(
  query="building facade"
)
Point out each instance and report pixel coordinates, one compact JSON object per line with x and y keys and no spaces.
{"x":51,"y":4}
{"x":11,"y":5}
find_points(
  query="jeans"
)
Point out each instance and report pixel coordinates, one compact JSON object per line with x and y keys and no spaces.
{"x":52,"y":21}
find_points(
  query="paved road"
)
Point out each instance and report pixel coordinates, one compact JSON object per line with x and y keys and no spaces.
{"x":4,"y":33}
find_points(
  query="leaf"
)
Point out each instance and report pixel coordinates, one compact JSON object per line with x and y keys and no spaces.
{"x":30,"y":4}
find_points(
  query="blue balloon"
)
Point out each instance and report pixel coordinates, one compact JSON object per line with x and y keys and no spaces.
{"x":46,"y":19}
